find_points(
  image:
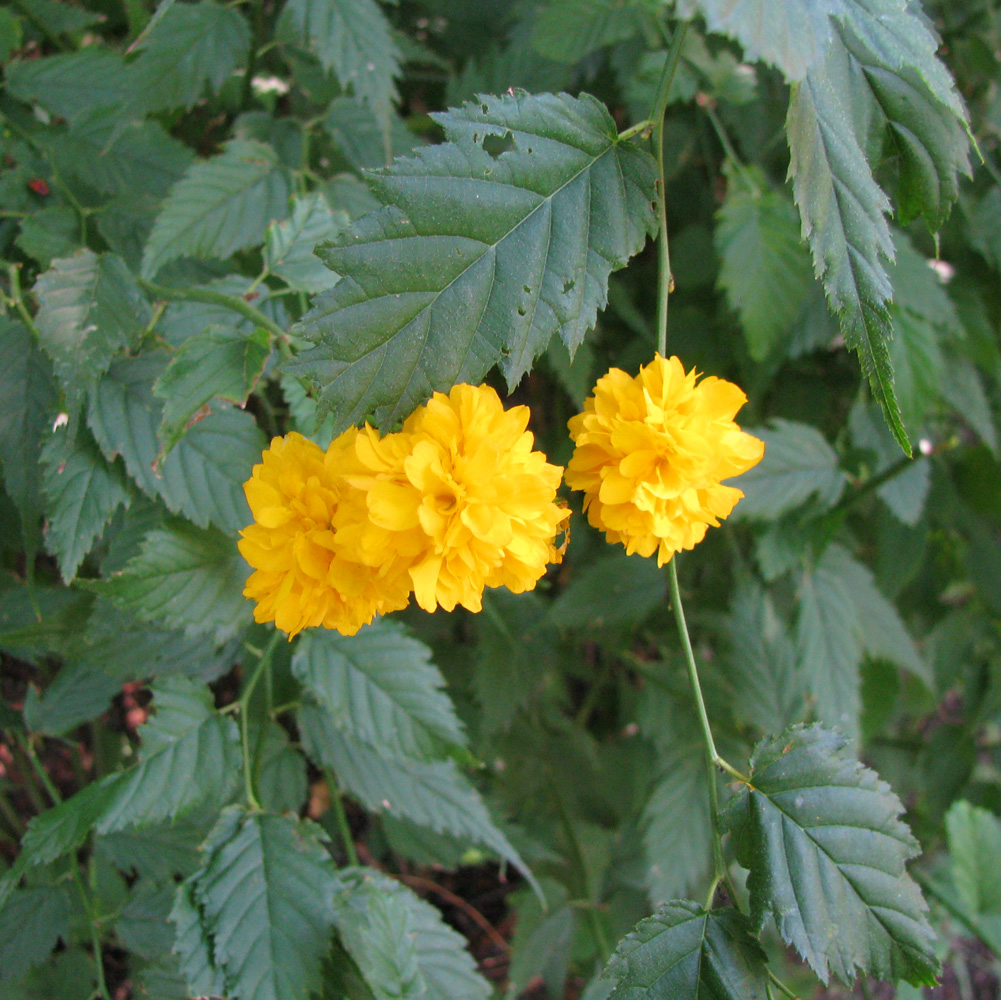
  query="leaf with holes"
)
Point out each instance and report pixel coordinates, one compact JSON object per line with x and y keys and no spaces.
{"x":822,"y":838}
{"x":685,"y":953}
{"x":381,"y":686}
{"x":486,"y":246}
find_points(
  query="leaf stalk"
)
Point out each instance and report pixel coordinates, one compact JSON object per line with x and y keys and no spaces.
{"x":263,"y":662}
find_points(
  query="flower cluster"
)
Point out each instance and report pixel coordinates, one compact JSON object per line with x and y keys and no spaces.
{"x":652,"y":452}
{"x":455,"y":502}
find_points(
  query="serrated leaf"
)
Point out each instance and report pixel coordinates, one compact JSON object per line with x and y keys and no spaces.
{"x":288,"y":245}
{"x":354,"y":39}
{"x":789,"y":34}
{"x":685,"y":953}
{"x":31,"y":923}
{"x":768,"y":690}
{"x":161,"y":853}
{"x":101,"y":153}
{"x":203,"y":476}
{"x":974,"y":847}
{"x":193,"y":945}
{"x":192,"y":46}
{"x":829,"y":643}
{"x":220,"y":206}
{"x":82,"y":492}
{"x":185,"y":578}
{"x":798,"y":464}
{"x":189,"y":754}
{"x":361,"y":137}
{"x":29,"y":395}
{"x":78,"y":694}
{"x":476,"y":257}
{"x":826,"y":850}
{"x":89,"y":310}
{"x":282,"y":784}
{"x":431,"y":793}
{"x":443,"y":962}
{"x":265,"y":895}
{"x":381,"y":687}
{"x":764,"y":267}
{"x":843,"y":211}
{"x":881,"y":631}
{"x":568,"y":30}
{"x":675,"y":822}
{"x":54,"y":82}
{"x":220,"y":361}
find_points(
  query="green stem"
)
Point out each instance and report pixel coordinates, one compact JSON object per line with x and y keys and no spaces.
{"x":657,"y":117}
{"x":782,"y":986}
{"x":245,"y":696}
{"x":731,"y":153}
{"x":255,"y":44}
{"x":642,"y":126}
{"x":214,"y":298}
{"x":95,"y":936}
{"x":9,"y":813}
{"x":36,"y":765}
{"x":693,"y":676}
{"x":337,"y":804}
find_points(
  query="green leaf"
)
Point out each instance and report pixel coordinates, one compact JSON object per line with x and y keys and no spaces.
{"x":542,"y":945}
{"x":685,"y":953}
{"x":54,"y":83}
{"x":50,"y":233}
{"x":31,"y":923}
{"x":789,"y":34}
{"x":288,"y":245}
{"x":194,"y":946}
{"x":82,"y":492}
{"x":203,"y":476}
{"x":265,"y":896}
{"x":829,"y":642}
{"x":477,"y":257}
{"x":431,"y":793}
{"x":11,"y":33}
{"x":185,"y":578}
{"x":220,"y":361}
{"x":160,"y":853}
{"x":89,"y":310}
{"x":78,"y":694}
{"x":360,"y":137}
{"x":29,"y":396}
{"x":189,"y":755}
{"x":220,"y":206}
{"x":826,"y":850}
{"x":381,"y":687}
{"x":62,"y":18}
{"x":617,"y":591}
{"x":568,"y":30}
{"x":282,"y":784}
{"x":354,"y":39}
{"x":974,"y":847}
{"x":764,"y":267}
{"x":768,"y":690}
{"x":844,"y":220}
{"x":675,"y":821}
{"x":192,"y":46}
{"x":142,"y":924}
{"x":798,"y":464}
{"x":101,"y":153}
{"x":881,"y":631}
{"x":443,"y":963}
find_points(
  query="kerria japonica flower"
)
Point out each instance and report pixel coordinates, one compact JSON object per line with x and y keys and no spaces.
{"x":652,"y":453}
{"x":462,"y":496}
{"x":304,"y":575}
{"x":455,"y":502}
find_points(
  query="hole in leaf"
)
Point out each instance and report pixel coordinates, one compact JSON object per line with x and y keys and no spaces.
{"x":497,"y":144}
{"x":484,"y":108}
{"x":522,"y":311}
{"x":568,"y":285}
{"x":526,"y":289}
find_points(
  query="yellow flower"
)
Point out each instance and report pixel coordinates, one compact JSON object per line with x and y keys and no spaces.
{"x":651,"y":453}
{"x":301,"y":499}
{"x":460,"y":496}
